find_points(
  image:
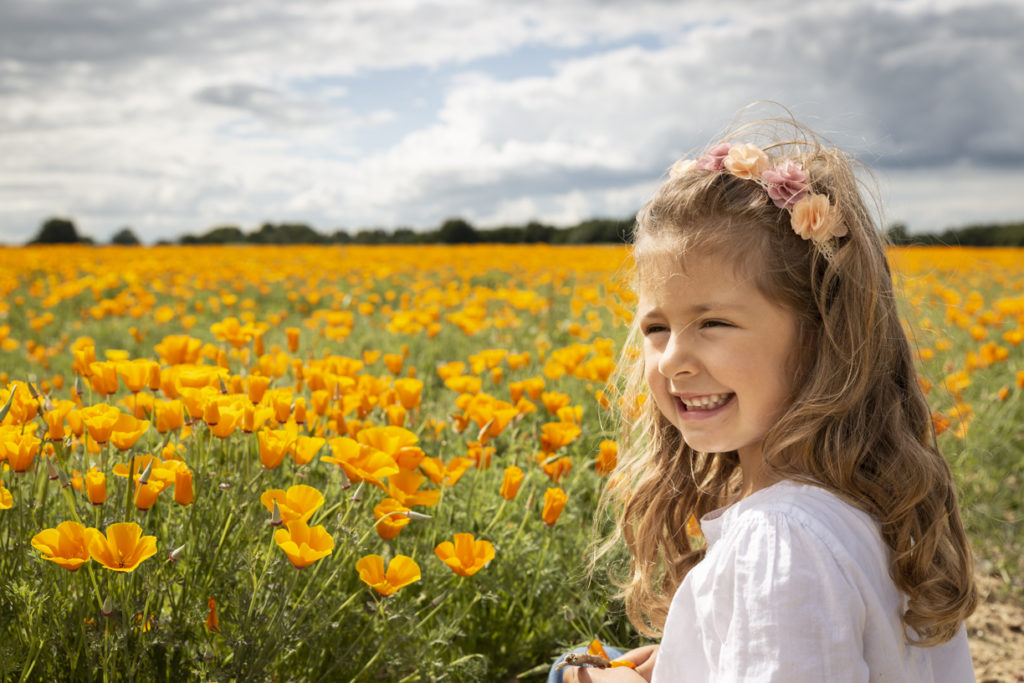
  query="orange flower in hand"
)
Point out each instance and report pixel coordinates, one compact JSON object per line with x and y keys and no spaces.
{"x":401,"y":572}
{"x":66,"y":545}
{"x":122,"y":548}
{"x":465,"y":556}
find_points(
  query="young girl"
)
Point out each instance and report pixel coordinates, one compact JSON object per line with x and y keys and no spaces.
{"x":784,"y":412}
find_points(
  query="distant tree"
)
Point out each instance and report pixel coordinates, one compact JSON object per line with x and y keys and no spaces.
{"x":57,"y":231}
{"x":225,"y":234}
{"x":286,"y":233}
{"x":124,"y":237}
{"x":404,"y":236}
{"x":457,"y":231}
{"x":897,"y":233}
{"x":535,"y":232}
{"x":374,"y":236}
{"x":339,"y":236}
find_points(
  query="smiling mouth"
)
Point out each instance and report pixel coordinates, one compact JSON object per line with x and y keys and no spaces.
{"x":709,"y":402}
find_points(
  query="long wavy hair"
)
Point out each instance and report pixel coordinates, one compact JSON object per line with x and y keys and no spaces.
{"x":858,"y":423}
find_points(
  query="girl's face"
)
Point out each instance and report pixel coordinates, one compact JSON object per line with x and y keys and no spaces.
{"x":718,"y":356}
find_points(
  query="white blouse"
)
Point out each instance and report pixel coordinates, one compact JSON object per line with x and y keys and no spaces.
{"x":795,"y":587}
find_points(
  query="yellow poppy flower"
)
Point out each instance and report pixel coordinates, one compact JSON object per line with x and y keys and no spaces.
{"x":66,"y":545}
{"x":361,"y":462}
{"x":404,"y":486}
{"x":103,"y":377}
{"x":127,"y":430}
{"x":99,"y":420}
{"x":95,"y":486}
{"x":304,"y":545}
{"x":554,"y":502}
{"x":19,"y":446}
{"x":465,"y":556}
{"x":510,"y":482}
{"x":401,"y":572}
{"x":554,"y":435}
{"x":607,"y":456}
{"x":274,"y":445}
{"x":122,"y":548}
{"x":298,"y":502}
{"x":390,"y":518}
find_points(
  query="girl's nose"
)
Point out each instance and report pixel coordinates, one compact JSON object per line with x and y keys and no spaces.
{"x":677,"y":360}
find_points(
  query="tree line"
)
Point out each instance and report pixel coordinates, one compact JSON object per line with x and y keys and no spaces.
{"x":451,"y":231}
{"x":459,"y":231}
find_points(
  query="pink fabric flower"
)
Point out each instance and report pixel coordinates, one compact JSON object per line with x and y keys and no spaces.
{"x":786,"y":184}
{"x":746,"y":161}
{"x":814,"y":218}
{"x":713,"y":158}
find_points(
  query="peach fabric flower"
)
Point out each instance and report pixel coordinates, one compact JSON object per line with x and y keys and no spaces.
{"x":814,"y":218}
{"x":745,"y":161}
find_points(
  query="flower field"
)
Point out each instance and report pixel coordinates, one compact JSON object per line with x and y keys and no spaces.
{"x":370,"y":463}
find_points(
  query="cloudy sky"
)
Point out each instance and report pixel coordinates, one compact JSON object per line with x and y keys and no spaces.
{"x":173,"y":116}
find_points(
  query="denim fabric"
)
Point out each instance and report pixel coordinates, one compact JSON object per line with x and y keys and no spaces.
{"x":555,"y":675}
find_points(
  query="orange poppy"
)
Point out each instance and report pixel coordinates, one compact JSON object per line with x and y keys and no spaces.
{"x":66,"y":545}
{"x":401,"y":572}
{"x":127,"y":430}
{"x":298,"y":502}
{"x":122,"y":548}
{"x":465,"y":556}
{"x":607,"y":456}
{"x":361,"y":462}
{"x":95,"y":486}
{"x":99,"y":420}
{"x":103,"y":377}
{"x":554,"y":435}
{"x":557,"y":468}
{"x":19,"y":446}
{"x":510,"y":482}
{"x":390,"y":518}
{"x":212,"y":622}
{"x":554,"y":502}
{"x":304,"y":545}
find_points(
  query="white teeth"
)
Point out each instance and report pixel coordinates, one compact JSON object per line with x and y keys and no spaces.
{"x":706,"y":402}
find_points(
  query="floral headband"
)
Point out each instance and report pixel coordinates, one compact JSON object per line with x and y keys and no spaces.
{"x":812,"y":216}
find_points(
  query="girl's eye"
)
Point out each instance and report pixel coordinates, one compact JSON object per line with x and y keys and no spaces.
{"x":714,"y":323}
{"x":653,"y":329}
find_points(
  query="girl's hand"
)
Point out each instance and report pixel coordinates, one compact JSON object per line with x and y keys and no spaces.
{"x":643,"y":657}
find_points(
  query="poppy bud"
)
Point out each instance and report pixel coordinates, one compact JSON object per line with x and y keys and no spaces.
{"x":144,"y":477}
{"x":176,"y":553}
{"x":275,"y":517}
